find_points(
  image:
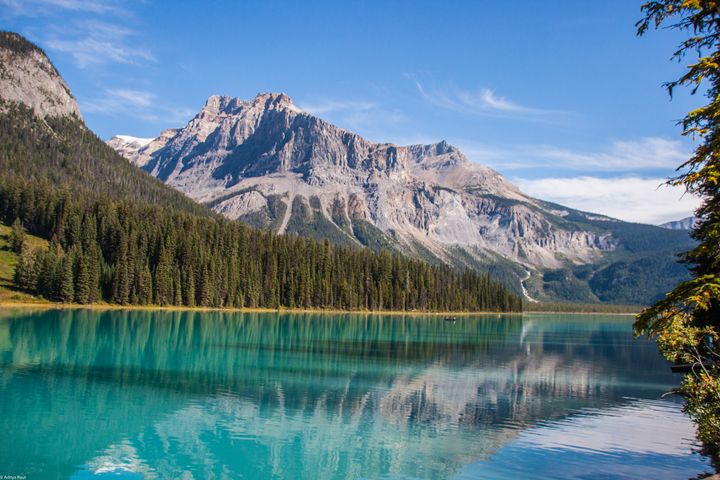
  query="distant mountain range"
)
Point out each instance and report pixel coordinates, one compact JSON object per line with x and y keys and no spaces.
{"x":686,"y":223}
{"x":266,"y":162}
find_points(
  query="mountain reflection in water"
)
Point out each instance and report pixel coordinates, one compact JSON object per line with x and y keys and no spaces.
{"x":227,"y":395}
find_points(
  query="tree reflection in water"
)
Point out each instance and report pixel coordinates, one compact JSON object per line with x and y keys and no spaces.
{"x":299,"y":395}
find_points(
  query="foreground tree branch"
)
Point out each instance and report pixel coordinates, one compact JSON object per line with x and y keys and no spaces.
{"x":686,"y":323}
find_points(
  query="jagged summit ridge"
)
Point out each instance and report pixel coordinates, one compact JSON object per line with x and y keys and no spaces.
{"x":268,"y":100}
{"x":28,"y":77}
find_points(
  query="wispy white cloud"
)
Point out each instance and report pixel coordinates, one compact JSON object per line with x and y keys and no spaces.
{"x":135,"y":98}
{"x":332,"y":106}
{"x":365,"y":117}
{"x":487,"y":99}
{"x":648,"y":153}
{"x":93,"y":42}
{"x":42,"y":7}
{"x":484,"y":101}
{"x":141,"y":104}
{"x":98,"y":33}
{"x":97,"y":51}
{"x":635,"y":199}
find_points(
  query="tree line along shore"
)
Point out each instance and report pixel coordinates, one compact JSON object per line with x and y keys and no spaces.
{"x":131,"y":253}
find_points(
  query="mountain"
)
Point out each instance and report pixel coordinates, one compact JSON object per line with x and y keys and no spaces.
{"x":116,"y":234}
{"x":266,"y":162}
{"x":686,"y":223}
{"x":43,"y":135}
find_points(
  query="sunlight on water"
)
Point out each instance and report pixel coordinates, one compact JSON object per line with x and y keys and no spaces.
{"x":130,"y":394}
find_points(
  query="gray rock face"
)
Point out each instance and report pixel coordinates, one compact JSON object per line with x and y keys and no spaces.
{"x":28,"y":77}
{"x":242,"y":156}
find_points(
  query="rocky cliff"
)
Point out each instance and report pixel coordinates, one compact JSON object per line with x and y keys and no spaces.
{"x":28,"y":77}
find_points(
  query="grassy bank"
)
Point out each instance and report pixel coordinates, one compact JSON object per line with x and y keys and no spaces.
{"x":8,"y":260}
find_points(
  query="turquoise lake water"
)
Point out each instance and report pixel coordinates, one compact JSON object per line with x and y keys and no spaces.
{"x":190,"y":395}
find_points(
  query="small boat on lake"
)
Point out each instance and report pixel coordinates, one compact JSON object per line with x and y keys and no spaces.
{"x":450,"y":319}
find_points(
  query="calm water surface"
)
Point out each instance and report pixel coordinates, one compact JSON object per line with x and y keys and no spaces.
{"x":127,"y":394}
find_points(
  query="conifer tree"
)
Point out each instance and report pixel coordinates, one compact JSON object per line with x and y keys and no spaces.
{"x":163,"y":275}
{"x":83,"y":280}
{"x":189,"y":294}
{"x":67,"y":281}
{"x":17,"y":236}
{"x":24,"y":276}
{"x":145,"y":286}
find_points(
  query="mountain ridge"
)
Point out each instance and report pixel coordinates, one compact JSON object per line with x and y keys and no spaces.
{"x":32,"y":79}
{"x":686,"y":223}
{"x":266,"y":162}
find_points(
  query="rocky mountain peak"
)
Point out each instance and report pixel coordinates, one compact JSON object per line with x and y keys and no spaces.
{"x":221,"y":104}
{"x":28,"y":77}
{"x":274,"y":100}
{"x":437,"y":151}
{"x":217,"y":103}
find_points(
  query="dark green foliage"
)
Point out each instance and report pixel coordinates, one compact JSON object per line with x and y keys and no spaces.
{"x":371,"y":236}
{"x":640,"y":281}
{"x":120,"y":235}
{"x":268,"y":218}
{"x":563,"y":283}
{"x":637,"y":238}
{"x":307,"y":220}
{"x":25,"y":276}
{"x":218,"y":200}
{"x":276,"y":211}
{"x":63,"y":151}
{"x":498,"y":267}
{"x":17,"y":236}
{"x":126,"y":251}
{"x":67,"y":279}
{"x":686,"y":323}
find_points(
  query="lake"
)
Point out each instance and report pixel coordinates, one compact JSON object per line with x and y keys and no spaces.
{"x":200,"y":395}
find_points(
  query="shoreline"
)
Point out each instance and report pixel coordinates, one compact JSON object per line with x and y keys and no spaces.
{"x":107,"y":306}
{"x":174,"y":308}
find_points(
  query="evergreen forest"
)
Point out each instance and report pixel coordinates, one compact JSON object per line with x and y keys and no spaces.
{"x":118,"y":235}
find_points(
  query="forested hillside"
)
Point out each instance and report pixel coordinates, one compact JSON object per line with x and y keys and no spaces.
{"x":63,"y":151}
{"x":131,"y":252}
{"x":118,"y":235}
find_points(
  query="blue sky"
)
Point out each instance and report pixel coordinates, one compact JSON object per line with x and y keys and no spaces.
{"x":559,"y":96}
